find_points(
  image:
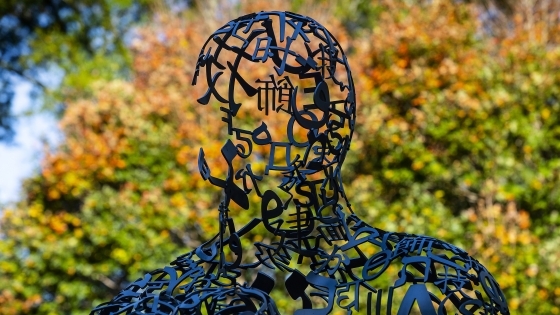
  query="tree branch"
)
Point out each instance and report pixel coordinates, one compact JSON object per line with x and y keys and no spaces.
{"x":23,"y":75}
{"x":107,"y":282}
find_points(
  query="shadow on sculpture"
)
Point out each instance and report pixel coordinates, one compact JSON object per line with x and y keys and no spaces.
{"x":330,"y":259}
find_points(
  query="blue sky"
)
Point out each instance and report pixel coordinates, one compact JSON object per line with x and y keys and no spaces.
{"x":22,"y":158}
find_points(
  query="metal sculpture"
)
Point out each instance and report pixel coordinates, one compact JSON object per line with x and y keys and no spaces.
{"x":332,"y":260}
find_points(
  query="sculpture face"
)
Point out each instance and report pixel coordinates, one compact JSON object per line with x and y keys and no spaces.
{"x":304,"y":86}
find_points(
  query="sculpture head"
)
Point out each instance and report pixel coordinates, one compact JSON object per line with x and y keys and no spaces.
{"x":303,"y":80}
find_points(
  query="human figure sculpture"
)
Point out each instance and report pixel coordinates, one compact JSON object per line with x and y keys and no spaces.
{"x":330,"y":259}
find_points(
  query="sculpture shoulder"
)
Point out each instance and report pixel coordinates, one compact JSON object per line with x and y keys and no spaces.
{"x":165,"y":288}
{"x":431,"y":269}
{"x":401,"y":244}
{"x":192,"y":284}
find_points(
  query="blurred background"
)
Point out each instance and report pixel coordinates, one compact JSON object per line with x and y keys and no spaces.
{"x":458,"y":137}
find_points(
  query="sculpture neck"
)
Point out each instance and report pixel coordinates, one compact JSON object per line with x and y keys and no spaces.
{"x":305,"y":205}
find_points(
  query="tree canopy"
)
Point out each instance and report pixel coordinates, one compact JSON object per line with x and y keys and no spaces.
{"x":84,"y":39}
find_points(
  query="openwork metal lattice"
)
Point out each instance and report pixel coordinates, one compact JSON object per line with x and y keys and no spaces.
{"x":315,"y":249}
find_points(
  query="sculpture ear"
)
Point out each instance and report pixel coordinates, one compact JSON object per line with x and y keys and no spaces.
{"x":203,"y":165}
{"x":205,"y":171}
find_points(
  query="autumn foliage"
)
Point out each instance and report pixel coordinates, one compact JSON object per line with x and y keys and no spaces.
{"x":458,"y":137}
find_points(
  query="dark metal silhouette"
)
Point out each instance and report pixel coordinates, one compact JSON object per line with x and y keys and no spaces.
{"x":329,"y":258}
